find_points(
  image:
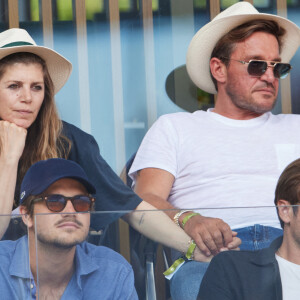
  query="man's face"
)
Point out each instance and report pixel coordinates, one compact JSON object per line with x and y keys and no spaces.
{"x":67,"y":228}
{"x":254,"y":94}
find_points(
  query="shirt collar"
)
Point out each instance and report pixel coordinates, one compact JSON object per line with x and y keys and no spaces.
{"x":20,"y":265}
{"x":84,"y":262}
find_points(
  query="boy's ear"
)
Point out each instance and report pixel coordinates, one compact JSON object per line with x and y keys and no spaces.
{"x":284,"y":210}
{"x":26,"y":217}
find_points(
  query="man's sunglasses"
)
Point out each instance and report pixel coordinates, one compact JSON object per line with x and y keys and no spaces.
{"x":258,"y":67}
{"x":57,"y":203}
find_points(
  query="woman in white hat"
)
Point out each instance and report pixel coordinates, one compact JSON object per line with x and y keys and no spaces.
{"x":31,"y":130}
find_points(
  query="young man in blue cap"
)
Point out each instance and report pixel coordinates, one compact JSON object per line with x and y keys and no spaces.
{"x":56,"y":197}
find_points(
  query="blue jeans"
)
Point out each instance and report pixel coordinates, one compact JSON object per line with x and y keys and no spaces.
{"x":186,"y":282}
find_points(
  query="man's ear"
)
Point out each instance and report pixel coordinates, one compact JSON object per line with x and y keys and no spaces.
{"x":284,"y":210}
{"x":26,"y":217}
{"x":218,"y":69}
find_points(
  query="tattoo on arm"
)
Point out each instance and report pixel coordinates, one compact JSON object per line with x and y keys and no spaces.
{"x":141,"y":221}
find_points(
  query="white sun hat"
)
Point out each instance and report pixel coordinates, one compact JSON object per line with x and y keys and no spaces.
{"x":16,"y":40}
{"x":204,"y":41}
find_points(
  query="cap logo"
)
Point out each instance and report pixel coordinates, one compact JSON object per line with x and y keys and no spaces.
{"x":23,"y":195}
{"x":14,"y":44}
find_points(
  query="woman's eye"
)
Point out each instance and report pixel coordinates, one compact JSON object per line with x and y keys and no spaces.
{"x":13,"y":86}
{"x":38,"y":87}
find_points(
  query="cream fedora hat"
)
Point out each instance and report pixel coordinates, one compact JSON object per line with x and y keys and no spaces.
{"x":204,"y":41}
{"x":18,"y":40}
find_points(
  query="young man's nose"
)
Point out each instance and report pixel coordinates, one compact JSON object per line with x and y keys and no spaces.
{"x":69,"y":207}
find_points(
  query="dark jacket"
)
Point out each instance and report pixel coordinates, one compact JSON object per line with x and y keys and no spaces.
{"x":112,"y":194}
{"x":243,"y":275}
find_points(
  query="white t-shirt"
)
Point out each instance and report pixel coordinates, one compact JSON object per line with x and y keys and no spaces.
{"x":290,"y":279}
{"x":219,"y":162}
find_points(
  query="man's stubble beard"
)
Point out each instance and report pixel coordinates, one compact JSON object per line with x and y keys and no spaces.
{"x":246,"y":103}
{"x":58,"y":242}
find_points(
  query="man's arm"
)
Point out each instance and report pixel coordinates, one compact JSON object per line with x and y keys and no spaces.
{"x":210,"y":234}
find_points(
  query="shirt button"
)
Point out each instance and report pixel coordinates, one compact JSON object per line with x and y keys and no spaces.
{"x":31,"y":286}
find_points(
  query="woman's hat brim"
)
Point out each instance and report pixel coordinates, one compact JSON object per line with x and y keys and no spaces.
{"x":59,"y":67}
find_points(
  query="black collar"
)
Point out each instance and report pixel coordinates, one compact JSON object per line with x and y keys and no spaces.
{"x":267,"y":255}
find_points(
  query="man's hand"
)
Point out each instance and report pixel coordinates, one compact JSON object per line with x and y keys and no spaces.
{"x":199,"y":256}
{"x":211,"y":235}
{"x":12,"y":140}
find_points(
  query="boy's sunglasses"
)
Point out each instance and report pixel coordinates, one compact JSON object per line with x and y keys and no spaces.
{"x":258,"y":67}
{"x":57,"y":203}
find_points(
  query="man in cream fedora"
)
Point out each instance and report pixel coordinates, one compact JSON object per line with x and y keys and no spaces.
{"x":228,"y":156}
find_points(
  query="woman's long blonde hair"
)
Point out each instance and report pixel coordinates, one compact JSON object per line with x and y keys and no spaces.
{"x":44,"y":137}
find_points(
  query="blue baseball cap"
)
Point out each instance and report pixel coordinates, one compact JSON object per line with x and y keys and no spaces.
{"x":45,"y":172}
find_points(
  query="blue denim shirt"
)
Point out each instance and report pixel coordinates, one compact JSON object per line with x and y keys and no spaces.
{"x":100,"y":273}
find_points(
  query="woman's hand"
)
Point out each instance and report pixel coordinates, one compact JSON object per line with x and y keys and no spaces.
{"x":12,"y":141}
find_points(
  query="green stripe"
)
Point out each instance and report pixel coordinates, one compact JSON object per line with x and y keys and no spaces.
{"x":14,"y":44}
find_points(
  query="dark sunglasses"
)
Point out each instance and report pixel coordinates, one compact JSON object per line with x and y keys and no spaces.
{"x":258,"y":67}
{"x":57,"y":203}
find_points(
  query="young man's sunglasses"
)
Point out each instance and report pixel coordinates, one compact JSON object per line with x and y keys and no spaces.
{"x":258,"y":67}
{"x":57,"y":203}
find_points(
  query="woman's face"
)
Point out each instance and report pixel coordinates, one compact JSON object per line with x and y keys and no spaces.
{"x":22,"y":93}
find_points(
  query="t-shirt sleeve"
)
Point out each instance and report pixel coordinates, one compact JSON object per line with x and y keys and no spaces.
{"x":158,"y":149}
{"x":112,"y":194}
